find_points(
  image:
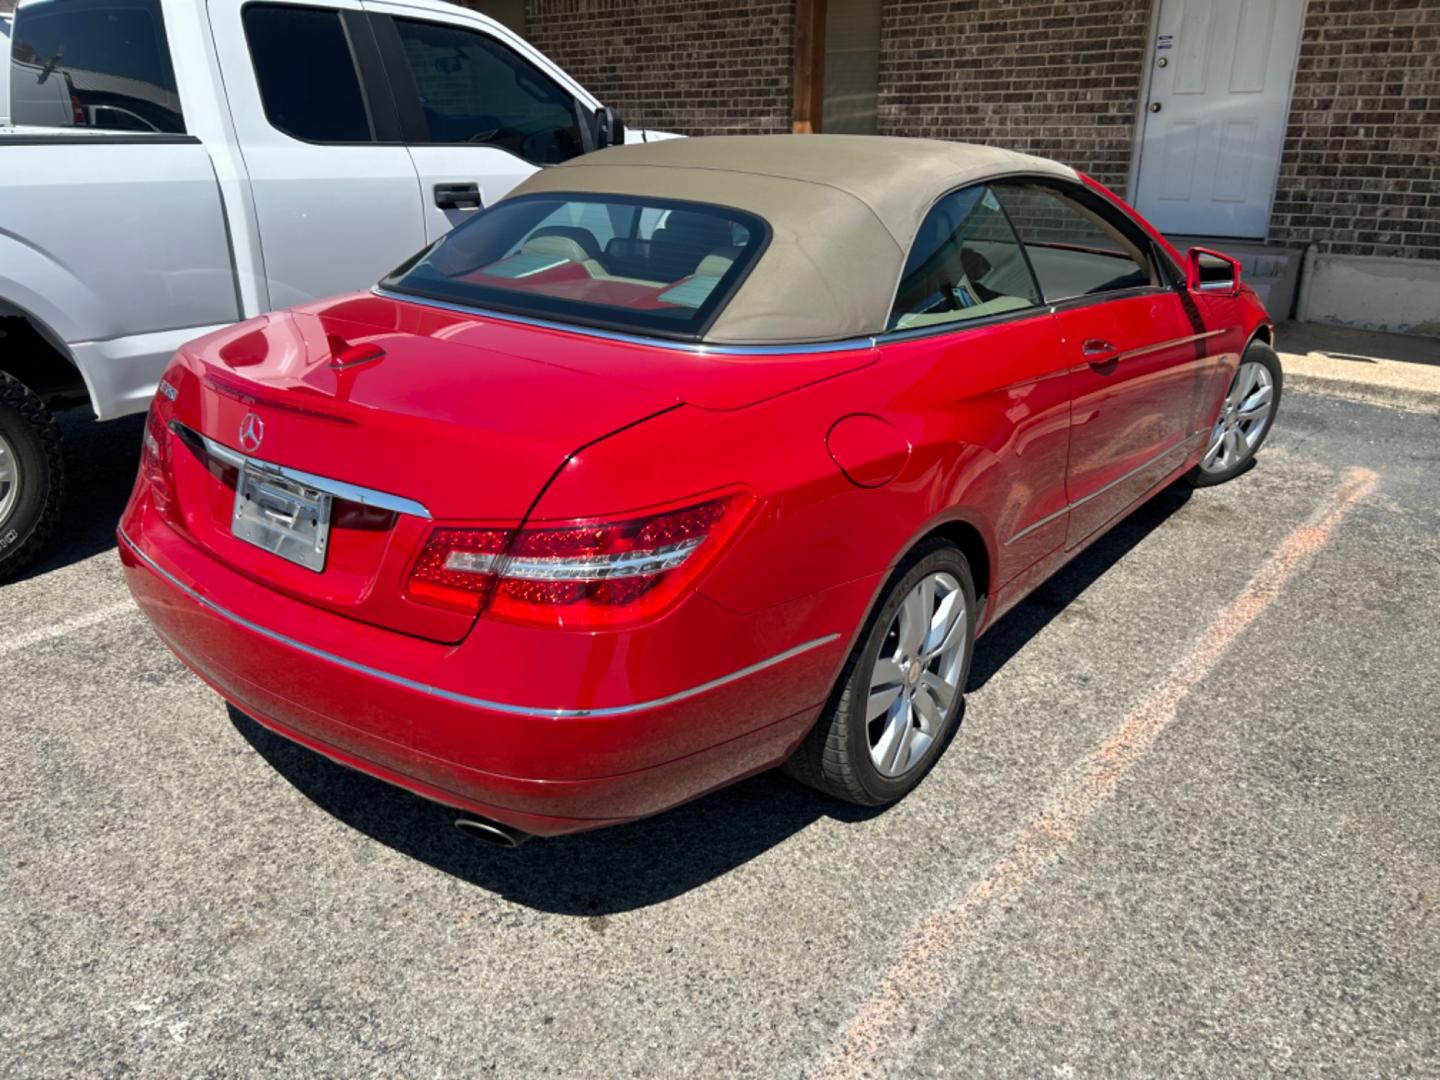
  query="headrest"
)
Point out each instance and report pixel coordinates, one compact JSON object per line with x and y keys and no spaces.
{"x":717,"y":262}
{"x":583,"y":237}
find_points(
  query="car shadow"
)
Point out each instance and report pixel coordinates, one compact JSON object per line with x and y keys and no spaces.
{"x":1010,"y":634}
{"x":627,"y":867}
{"x":600,"y":873}
{"x":101,"y":459}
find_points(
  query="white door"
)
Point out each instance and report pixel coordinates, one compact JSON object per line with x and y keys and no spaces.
{"x":1214,"y":120}
{"x":335,"y":193}
{"x":481,"y":108}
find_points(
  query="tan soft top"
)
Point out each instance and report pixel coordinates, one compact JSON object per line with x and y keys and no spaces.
{"x":843,"y":210}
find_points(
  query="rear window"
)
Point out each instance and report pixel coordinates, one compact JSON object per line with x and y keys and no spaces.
{"x":94,"y":63}
{"x":649,"y":266}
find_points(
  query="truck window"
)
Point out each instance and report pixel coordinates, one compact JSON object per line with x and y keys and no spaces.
{"x":306,"y":73}
{"x":94,"y":63}
{"x":475,"y":89}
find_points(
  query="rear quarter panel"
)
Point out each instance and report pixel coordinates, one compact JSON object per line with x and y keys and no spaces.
{"x":971,"y":407}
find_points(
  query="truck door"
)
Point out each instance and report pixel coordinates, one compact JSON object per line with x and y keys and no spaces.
{"x":480,"y":109}
{"x":333,"y":185}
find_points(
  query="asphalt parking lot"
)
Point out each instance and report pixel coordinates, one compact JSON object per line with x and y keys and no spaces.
{"x":1189,"y":828}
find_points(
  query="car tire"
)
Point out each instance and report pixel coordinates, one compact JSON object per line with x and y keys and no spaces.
{"x":32,"y":476}
{"x":1261,"y":361}
{"x":845,"y":754}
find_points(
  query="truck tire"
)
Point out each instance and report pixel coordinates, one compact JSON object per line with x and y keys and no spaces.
{"x":32,"y":476}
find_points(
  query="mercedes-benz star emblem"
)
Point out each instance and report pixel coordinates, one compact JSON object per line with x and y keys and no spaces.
{"x":252,"y":430}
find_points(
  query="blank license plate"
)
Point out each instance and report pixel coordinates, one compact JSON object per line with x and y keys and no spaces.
{"x":282,"y":516}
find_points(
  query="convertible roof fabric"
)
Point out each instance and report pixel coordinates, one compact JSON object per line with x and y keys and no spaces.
{"x":843,"y":210}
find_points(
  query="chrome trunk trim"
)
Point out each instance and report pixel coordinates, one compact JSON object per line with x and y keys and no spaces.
{"x":340,"y":489}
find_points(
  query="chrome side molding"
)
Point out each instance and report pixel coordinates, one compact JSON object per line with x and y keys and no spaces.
{"x":1101,"y":491}
{"x":466,"y":699}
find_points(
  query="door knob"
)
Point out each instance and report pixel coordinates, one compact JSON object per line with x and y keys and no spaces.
{"x":457,"y":196}
{"x":1154,"y":106}
{"x":1099,"y":352}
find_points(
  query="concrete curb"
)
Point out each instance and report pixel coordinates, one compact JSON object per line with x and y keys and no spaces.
{"x":1393,"y":397}
{"x":1393,"y":384}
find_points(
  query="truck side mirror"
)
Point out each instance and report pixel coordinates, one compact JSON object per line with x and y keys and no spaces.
{"x":610,"y":129}
{"x":1211,"y":272}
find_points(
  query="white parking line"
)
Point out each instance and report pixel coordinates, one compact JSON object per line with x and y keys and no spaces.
{"x":909,"y":999}
{"x":67,"y":626}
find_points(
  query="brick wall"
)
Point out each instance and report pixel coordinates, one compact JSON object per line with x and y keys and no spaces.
{"x":699,"y":67}
{"x":1060,"y":79}
{"x":1361,"y":167}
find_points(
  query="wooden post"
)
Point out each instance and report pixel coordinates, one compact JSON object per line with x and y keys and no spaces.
{"x":809,"y":65}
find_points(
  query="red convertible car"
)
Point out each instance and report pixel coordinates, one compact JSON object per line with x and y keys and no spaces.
{"x":684,"y":461}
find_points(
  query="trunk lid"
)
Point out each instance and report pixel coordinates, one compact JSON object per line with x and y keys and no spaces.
{"x":466,"y":415}
{"x":471,"y":434}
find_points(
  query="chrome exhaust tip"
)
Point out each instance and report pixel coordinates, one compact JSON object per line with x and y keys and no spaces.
{"x":491,"y":832}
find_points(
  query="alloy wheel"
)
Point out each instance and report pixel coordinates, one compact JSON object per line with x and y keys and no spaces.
{"x":9,"y":478}
{"x":916,"y":677}
{"x":1243,"y":418}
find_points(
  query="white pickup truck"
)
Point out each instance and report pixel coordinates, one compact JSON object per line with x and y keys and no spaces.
{"x":4,"y":81}
{"x":178,"y":165}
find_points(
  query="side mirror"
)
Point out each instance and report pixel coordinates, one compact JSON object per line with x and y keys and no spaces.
{"x":1211,"y":272}
{"x":610,"y":129}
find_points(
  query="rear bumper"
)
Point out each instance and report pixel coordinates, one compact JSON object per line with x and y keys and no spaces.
{"x":403,"y":721}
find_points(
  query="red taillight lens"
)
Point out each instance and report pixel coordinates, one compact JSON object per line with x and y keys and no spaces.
{"x":156,"y":460}
{"x":581,"y":573}
{"x":155,"y":455}
{"x":457,"y":567}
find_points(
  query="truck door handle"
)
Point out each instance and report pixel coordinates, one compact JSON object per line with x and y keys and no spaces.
{"x":457,"y":196}
{"x":1099,"y":352}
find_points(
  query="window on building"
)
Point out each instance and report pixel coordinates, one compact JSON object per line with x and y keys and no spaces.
{"x":475,"y":89}
{"x":852,"y":67}
{"x":94,"y":63}
{"x":1077,"y":246}
{"x":965,"y":264}
{"x":306,"y":73}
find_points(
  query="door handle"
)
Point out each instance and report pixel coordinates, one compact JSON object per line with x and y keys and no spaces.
{"x":1099,"y":352}
{"x":457,"y":196}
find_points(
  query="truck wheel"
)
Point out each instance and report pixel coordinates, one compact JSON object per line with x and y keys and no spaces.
{"x":32,"y":475}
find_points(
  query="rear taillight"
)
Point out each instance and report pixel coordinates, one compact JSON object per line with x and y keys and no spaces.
{"x":598,"y":573}
{"x":456,"y":568}
{"x":155,"y":455}
{"x":578,"y":574}
{"x":155,"y":442}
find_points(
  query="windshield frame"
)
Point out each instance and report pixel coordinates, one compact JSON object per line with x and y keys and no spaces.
{"x":595,"y":316}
